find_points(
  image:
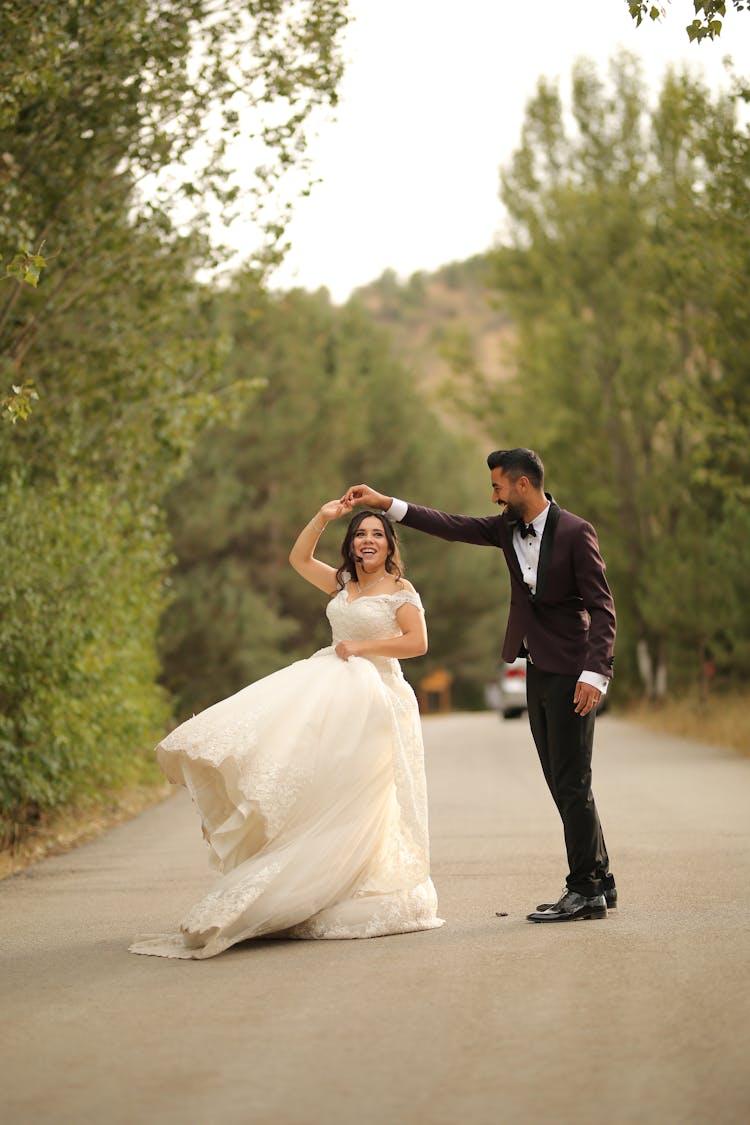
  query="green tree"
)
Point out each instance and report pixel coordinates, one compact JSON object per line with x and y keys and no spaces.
{"x":101,"y":100}
{"x":80,"y":601}
{"x":626,"y":256}
{"x":119,"y":341}
{"x":336,"y":408}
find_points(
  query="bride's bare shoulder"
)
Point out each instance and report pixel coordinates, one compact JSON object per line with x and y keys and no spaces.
{"x":405,"y":584}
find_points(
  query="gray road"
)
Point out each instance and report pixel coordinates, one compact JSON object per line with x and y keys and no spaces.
{"x":644,"y":1017}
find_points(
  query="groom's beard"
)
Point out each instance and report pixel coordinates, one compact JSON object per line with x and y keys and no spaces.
{"x":509,"y":511}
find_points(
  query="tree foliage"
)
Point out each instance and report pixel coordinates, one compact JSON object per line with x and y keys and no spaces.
{"x":118,"y":340}
{"x":336,"y":408}
{"x":80,"y":601}
{"x":708,"y":21}
{"x":626,"y":273}
{"x":102,"y":100}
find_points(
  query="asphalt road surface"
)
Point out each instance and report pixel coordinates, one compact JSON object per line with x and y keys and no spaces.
{"x":643,"y":1017}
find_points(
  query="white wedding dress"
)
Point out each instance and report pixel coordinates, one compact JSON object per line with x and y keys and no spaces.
{"x":311,"y":788}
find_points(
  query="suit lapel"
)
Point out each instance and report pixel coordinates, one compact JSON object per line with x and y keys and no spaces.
{"x":510,"y":551}
{"x":546,"y":546}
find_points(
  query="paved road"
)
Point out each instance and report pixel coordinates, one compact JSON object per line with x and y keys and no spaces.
{"x":642,"y":1018}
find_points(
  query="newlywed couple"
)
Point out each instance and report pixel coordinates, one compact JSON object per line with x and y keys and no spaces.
{"x":310,"y":783}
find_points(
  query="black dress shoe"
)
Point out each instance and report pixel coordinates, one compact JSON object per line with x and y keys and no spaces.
{"x":572,"y":908}
{"x":610,"y":897}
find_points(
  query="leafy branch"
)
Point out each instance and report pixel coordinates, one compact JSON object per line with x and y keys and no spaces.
{"x":709,"y":16}
{"x":26,"y":266}
{"x":18,"y":404}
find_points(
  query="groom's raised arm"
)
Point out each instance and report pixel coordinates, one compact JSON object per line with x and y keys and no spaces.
{"x":482,"y":531}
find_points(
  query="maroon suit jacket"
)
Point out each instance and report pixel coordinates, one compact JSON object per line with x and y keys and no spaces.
{"x":569,"y":623}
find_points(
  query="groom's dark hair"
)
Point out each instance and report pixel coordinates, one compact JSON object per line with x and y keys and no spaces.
{"x":519,"y":463}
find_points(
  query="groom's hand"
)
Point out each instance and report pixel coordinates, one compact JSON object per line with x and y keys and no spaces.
{"x":585,"y":698}
{"x":367,"y":497}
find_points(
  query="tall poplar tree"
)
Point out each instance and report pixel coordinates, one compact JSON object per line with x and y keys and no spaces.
{"x":624,"y":272}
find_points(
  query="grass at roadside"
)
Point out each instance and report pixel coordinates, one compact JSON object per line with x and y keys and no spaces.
{"x":61,"y":831}
{"x":721,"y":720}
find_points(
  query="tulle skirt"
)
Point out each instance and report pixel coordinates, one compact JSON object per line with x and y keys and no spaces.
{"x":311,"y":790}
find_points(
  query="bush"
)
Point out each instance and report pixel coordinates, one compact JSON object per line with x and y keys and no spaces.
{"x":79,"y":607}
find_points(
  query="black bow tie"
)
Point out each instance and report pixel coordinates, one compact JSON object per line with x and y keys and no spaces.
{"x":525,"y":529}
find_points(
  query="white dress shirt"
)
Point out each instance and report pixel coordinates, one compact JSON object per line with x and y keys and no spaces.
{"x":527,"y":553}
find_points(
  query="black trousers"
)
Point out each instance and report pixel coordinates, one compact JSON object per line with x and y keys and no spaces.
{"x":564,"y":742}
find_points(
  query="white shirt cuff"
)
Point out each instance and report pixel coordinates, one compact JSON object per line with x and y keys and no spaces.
{"x":601,"y":683}
{"x":397,"y":510}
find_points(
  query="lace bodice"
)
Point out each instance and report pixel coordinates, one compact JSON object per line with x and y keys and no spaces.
{"x":368,"y":617}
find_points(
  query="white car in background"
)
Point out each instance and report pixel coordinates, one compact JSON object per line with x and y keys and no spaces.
{"x":512,"y":689}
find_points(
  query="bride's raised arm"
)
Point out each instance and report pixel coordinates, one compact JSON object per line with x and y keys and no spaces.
{"x":302,"y":554}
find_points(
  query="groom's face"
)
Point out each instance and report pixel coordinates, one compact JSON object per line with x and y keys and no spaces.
{"x":510,"y":495}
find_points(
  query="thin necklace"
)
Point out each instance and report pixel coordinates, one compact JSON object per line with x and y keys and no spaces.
{"x":370,"y":584}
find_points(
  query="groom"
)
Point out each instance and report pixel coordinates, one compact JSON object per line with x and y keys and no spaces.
{"x":562,"y":620}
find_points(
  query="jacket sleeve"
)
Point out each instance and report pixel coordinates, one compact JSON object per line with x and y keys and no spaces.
{"x":482,"y":531}
{"x":597,"y":600}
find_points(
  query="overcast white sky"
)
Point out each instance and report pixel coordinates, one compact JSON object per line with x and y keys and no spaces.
{"x":431,"y":105}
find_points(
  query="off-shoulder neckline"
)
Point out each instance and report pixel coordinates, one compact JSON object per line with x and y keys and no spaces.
{"x":373,"y":597}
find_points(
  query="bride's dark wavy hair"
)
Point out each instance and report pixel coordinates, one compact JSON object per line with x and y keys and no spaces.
{"x":393,"y":562}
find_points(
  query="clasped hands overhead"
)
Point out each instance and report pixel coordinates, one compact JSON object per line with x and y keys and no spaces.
{"x":358,"y":495}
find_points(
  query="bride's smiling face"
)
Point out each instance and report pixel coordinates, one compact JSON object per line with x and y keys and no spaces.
{"x":370,"y":543}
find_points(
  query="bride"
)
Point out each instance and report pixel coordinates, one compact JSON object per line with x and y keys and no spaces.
{"x":310,"y":783}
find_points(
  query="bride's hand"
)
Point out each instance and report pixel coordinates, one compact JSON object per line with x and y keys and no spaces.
{"x":368,"y":497}
{"x":334,"y":509}
{"x":345,"y":649}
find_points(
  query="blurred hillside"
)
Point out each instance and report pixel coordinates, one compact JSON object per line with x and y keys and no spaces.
{"x":447,"y":329}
